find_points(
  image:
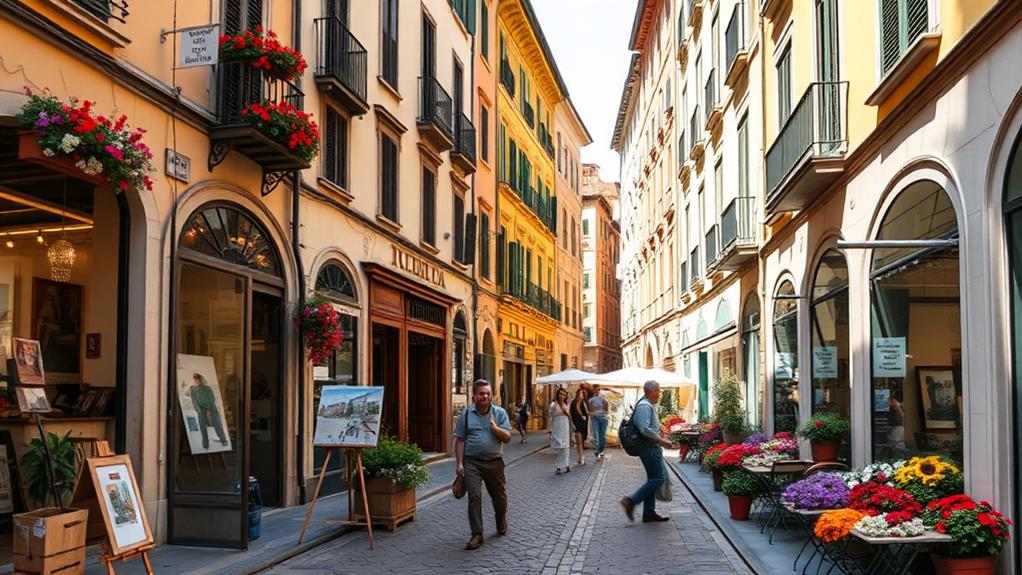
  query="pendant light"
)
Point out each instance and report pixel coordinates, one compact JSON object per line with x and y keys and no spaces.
{"x":61,"y":253}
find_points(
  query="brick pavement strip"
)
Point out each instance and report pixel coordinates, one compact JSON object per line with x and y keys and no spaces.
{"x":564,"y":524}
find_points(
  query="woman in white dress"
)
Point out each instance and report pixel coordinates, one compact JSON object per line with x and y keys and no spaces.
{"x":559,"y":430}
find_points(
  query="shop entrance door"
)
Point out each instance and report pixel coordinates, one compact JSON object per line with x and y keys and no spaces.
{"x":386,"y":340}
{"x":265,"y":397}
{"x":425,"y":388}
{"x":704,"y":384}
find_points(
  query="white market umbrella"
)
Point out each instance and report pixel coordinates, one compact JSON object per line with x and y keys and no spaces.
{"x":566,"y":377}
{"x":634,"y":377}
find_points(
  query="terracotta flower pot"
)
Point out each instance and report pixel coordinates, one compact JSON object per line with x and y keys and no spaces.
{"x":825,"y":451}
{"x":682,"y":451}
{"x":718,"y":479}
{"x":964,"y":566}
{"x":733,"y":438}
{"x":740,"y":506}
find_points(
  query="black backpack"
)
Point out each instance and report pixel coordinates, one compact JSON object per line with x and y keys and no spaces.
{"x":629,"y":436}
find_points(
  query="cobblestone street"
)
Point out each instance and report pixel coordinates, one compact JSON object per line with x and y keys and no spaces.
{"x":558,"y":524}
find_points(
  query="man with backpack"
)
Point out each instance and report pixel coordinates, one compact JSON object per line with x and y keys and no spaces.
{"x":645,"y":422}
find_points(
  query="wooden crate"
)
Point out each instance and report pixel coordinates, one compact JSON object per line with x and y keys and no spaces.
{"x":67,"y":563}
{"x":389,"y":503}
{"x":50,"y":540}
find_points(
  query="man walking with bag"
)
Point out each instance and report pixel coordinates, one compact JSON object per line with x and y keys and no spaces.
{"x":480,"y":435}
{"x":646,"y":422}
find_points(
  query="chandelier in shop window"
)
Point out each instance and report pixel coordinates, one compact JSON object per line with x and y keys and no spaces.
{"x":62,"y":257}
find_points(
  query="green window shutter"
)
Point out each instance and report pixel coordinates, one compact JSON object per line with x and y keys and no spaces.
{"x":890,"y":34}
{"x":470,"y":16}
{"x":918,"y":19}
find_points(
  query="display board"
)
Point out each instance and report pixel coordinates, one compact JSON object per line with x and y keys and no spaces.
{"x":348,"y":416}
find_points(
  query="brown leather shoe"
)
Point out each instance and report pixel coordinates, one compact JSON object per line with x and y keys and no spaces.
{"x":654,"y":518}
{"x":629,"y":508}
{"x":475,"y":542}
{"x":502,"y":527}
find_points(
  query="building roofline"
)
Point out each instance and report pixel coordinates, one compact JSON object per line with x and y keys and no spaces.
{"x":624,"y":107}
{"x":543,"y":45}
{"x":573,"y":112}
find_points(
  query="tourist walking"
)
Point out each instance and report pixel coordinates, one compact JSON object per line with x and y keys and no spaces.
{"x":522,"y":417}
{"x":580,"y":423}
{"x":599,"y":410}
{"x":480,"y":435}
{"x":646,"y":422}
{"x":559,"y":430}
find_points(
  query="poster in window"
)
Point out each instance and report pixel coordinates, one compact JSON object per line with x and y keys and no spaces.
{"x":120,"y":503}
{"x":825,"y":362}
{"x":348,"y":416}
{"x":202,"y":406}
{"x":57,"y":324}
{"x":939,"y":398}
{"x":889,"y":357}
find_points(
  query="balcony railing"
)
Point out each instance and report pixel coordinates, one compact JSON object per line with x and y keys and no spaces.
{"x":816,"y":128}
{"x":545,"y":140}
{"x":529,"y":113}
{"x":693,"y":262}
{"x":464,"y":152}
{"x":734,"y":35}
{"x":736,"y":223}
{"x":711,"y":245}
{"x":507,"y":77}
{"x":435,"y":106}
{"x":240,"y":84}
{"x":536,"y":298}
{"x":105,"y":9}
{"x":343,"y":59}
{"x":711,"y":95}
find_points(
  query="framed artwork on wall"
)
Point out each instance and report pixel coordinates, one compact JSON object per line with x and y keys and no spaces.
{"x":57,"y":325}
{"x":28,"y":362}
{"x":938,"y":397}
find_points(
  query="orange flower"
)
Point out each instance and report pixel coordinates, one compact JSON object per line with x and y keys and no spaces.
{"x":835,"y":525}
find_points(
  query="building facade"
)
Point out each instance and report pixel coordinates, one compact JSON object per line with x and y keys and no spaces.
{"x":601,"y":303}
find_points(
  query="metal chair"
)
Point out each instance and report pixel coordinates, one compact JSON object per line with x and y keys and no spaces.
{"x":781,"y":472}
{"x":822,"y":467}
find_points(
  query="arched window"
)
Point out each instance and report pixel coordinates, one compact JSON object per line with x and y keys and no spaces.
{"x":916,"y":329}
{"x":829,"y":336}
{"x":224,"y":232}
{"x":785,"y":358}
{"x":750,"y":359}
{"x":723,"y":318}
{"x":335,"y":282}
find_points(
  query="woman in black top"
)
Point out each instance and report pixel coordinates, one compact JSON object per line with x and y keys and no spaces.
{"x":580,"y":422}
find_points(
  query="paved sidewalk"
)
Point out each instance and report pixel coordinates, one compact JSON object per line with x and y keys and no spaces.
{"x":558,"y":525}
{"x":280,"y":530}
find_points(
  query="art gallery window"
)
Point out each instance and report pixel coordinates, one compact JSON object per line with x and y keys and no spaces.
{"x":336,"y":283}
{"x":828,"y":326}
{"x":750,"y":359}
{"x":916,"y":346}
{"x":785,"y":358}
{"x":227,"y":380}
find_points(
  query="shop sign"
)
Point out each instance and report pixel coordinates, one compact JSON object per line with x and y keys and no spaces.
{"x":179,"y":166}
{"x":888,"y":357}
{"x":200,"y":46}
{"x":416,"y":266}
{"x":784,"y":365}
{"x":825,"y":362}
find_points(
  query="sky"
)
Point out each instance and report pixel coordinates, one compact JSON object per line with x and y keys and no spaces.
{"x":589,"y":39}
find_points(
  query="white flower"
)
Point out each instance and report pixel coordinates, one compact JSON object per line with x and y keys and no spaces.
{"x":69,"y":143}
{"x":91,"y":166}
{"x":877,"y":527}
{"x":49,"y":153}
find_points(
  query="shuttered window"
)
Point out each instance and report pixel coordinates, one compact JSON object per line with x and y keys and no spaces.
{"x":501,"y":254}
{"x":784,"y":86}
{"x":484,"y":133}
{"x":241,"y":15}
{"x":428,"y":206}
{"x":459,"y":228}
{"x":388,"y":177}
{"x":388,"y":41}
{"x":484,"y":31}
{"x":335,"y":148}
{"x":901,"y":23}
{"x":484,"y":246}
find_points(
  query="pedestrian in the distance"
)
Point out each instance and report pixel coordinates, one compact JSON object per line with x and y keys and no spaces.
{"x":580,"y":423}
{"x":559,"y":430}
{"x":646,"y":422}
{"x":522,"y":417}
{"x":480,"y":435}
{"x":599,"y":408}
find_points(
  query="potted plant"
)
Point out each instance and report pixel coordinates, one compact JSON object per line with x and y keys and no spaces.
{"x":727,"y":410}
{"x":741,"y":488}
{"x":285,"y":125}
{"x":393,"y":469}
{"x":929,"y":478}
{"x":685,"y":440}
{"x":977,"y":530}
{"x":818,"y":491}
{"x":710,"y":463}
{"x":825,"y":432}
{"x":320,"y":326}
{"x":263,"y":51}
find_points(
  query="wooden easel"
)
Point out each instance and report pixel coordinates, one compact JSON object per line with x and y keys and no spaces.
{"x":349,"y":472}
{"x":85,"y":497}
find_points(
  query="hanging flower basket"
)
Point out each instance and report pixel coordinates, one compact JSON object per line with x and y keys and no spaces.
{"x":67,"y":137}
{"x":286,"y":125}
{"x":320,"y":325}
{"x":264,"y":52}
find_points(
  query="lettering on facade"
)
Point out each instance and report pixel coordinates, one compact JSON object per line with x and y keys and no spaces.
{"x":416,"y":266}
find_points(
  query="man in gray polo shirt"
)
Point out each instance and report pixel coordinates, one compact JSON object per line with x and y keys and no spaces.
{"x":480,"y":435}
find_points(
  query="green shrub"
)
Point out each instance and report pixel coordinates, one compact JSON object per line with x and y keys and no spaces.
{"x":825,"y":426}
{"x":62,"y":453}
{"x":740,"y":483}
{"x":727,"y":405}
{"x":396,"y":460}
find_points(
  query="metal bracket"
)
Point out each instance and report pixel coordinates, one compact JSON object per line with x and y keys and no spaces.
{"x":217,"y":152}
{"x":271,"y":179}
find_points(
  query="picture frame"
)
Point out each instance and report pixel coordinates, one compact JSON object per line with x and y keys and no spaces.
{"x":57,"y":325}
{"x":102,"y":403}
{"x":202,"y":406}
{"x":32,"y":400}
{"x":86,"y":406}
{"x":11,"y":500}
{"x":938,"y":398}
{"x":120,"y":503}
{"x":28,"y":361}
{"x":348,"y":416}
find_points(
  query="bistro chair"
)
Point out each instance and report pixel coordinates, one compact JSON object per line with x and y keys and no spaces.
{"x":781,"y":474}
{"x":831,"y":467}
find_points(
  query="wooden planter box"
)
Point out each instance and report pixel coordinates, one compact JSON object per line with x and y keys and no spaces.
{"x":389,"y":503}
{"x":50,"y":541}
{"x":29,"y":150}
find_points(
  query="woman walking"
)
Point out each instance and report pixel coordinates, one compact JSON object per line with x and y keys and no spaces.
{"x":558,"y":430}
{"x":522,"y":417}
{"x":580,"y":421}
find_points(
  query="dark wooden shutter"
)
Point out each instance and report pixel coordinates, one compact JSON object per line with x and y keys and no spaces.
{"x":253,"y":14}
{"x":459,"y":228}
{"x":428,"y":206}
{"x":330,"y":146}
{"x":484,"y":245}
{"x":500,"y":259}
{"x":232,"y":17}
{"x":470,"y":239}
{"x":470,"y":16}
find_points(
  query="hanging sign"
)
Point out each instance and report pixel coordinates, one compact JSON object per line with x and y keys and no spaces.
{"x":825,"y":362}
{"x":888,"y":357}
{"x":200,"y":46}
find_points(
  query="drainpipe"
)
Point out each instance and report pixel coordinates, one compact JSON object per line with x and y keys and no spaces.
{"x":475,"y":267}
{"x":296,"y":192}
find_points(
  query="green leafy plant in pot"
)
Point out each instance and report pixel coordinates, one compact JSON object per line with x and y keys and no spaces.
{"x":393,"y":470}
{"x":825,"y":432}
{"x":727,"y":409}
{"x":741,"y":488}
{"x":37,"y":480}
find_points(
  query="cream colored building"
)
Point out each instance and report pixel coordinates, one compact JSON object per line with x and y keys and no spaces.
{"x":601,"y":248}
{"x":570,"y":136}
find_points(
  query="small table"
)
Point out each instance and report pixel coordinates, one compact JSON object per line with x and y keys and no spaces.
{"x":692,"y":435}
{"x":773,"y":489}
{"x":895,"y":555}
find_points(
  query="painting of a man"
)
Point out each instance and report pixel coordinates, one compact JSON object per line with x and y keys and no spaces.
{"x":201,"y":404}
{"x":205,"y":406}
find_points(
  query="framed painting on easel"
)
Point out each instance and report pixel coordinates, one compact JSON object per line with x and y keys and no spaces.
{"x":120,"y":503}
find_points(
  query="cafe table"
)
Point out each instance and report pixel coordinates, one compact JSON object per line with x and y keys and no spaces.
{"x":894,"y":555}
{"x":773,"y":479}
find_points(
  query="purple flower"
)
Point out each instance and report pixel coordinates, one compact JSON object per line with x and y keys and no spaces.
{"x":43,"y":121}
{"x":820,"y":491}
{"x":756,"y":438}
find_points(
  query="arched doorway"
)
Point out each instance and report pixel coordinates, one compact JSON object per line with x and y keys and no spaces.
{"x":828,"y":326}
{"x":227,"y":395}
{"x":750,"y":359}
{"x":785,"y":358}
{"x":1013,"y":224}
{"x":916,"y":329}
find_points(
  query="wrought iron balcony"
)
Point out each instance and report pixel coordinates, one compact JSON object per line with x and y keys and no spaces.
{"x":545,"y":140}
{"x":533,"y":296}
{"x":436,"y":114}
{"x":713,"y":110}
{"x":239,"y":85}
{"x":529,"y":113}
{"x":710,"y":246}
{"x":693,"y":262}
{"x":105,"y":10}
{"x":695,"y":13}
{"x":544,"y":207}
{"x":507,"y":77}
{"x":809,"y":152}
{"x":737,"y":233}
{"x":735,"y":50}
{"x":464,"y":153}
{"x":341,"y":65}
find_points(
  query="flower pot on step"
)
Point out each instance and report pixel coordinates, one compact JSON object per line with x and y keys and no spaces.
{"x":389,"y":503}
{"x":733,"y":438}
{"x":964,"y":566}
{"x":825,"y":451}
{"x":740,"y":506}
{"x":718,"y":479}
{"x":682,"y":451}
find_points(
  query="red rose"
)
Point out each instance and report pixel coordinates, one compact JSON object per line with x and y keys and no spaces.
{"x":818,"y":424}
{"x":940,"y":527}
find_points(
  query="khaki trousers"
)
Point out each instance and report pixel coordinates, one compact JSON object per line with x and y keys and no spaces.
{"x":491,"y":473}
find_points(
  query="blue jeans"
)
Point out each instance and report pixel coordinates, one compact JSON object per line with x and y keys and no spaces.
{"x":600,"y":433}
{"x":652,"y":457}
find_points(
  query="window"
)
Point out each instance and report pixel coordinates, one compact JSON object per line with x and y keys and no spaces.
{"x":750,"y":354}
{"x":484,"y":131}
{"x":585,"y":227}
{"x":466,"y":11}
{"x":901,"y":22}
{"x":484,"y":243}
{"x":484,"y":32}
{"x":388,"y":177}
{"x":428,"y":206}
{"x":574,"y":237}
{"x":784,"y":86}
{"x":585,"y":280}
{"x":588,"y":331}
{"x":785,"y":358}
{"x":743,"y":157}
{"x":335,"y":148}
{"x":587,"y":310}
{"x":459,"y":228}
{"x":828,"y":322}
{"x":427,"y":51}
{"x":388,"y":39}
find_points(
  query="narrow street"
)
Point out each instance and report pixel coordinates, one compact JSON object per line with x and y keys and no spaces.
{"x":558,"y":524}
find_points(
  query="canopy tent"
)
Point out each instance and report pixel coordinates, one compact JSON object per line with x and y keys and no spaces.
{"x":634,"y":377}
{"x":566,"y":377}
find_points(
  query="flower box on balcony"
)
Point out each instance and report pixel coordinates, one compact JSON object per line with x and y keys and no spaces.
{"x":30,"y":151}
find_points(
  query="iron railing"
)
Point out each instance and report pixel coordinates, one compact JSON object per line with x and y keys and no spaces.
{"x":240,"y":85}
{"x":105,"y":9}
{"x":545,"y":140}
{"x":816,"y":128}
{"x":341,"y":55}
{"x":711,"y":245}
{"x":507,"y":77}
{"x":734,"y":35}
{"x":535,"y":297}
{"x":435,"y":106}
{"x":465,"y":139}
{"x":736,"y":223}
{"x":711,"y":94}
{"x":544,"y":206}
{"x":693,"y":260}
